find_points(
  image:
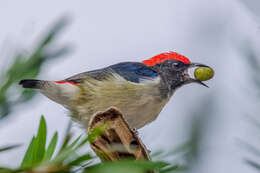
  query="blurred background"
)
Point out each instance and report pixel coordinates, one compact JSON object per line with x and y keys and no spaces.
{"x":93,"y":34}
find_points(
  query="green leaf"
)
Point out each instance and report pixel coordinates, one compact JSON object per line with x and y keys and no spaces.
{"x":128,"y":166}
{"x":80,"y":160}
{"x":66,"y":151}
{"x":74,"y":143}
{"x":28,"y":157}
{"x":36,"y":149}
{"x":51,"y":148}
{"x":6,"y":170}
{"x":40,"y":142}
{"x":9,"y":170}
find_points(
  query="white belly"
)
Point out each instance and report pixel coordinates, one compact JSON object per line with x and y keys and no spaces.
{"x":143,"y":114}
{"x":140,"y":103}
{"x":137,"y":112}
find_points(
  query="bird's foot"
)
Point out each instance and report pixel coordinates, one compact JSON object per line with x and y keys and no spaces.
{"x":135,"y":131}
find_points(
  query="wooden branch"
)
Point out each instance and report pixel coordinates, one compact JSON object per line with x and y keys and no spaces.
{"x":118,"y":140}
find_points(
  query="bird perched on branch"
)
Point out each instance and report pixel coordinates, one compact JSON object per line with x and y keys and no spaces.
{"x":139,"y":89}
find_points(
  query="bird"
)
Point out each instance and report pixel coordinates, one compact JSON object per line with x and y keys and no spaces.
{"x":139,"y":90}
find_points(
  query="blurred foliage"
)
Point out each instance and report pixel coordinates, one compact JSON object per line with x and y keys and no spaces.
{"x":8,"y":148}
{"x":253,"y":6}
{"x":41,"y":157}
{"x":252,"y":61}
{"x":28,"y":66}
{"x":251,"y":148}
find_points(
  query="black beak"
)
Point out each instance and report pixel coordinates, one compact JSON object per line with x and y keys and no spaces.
{"x":191,"y":65}
{"x":197,"y":65}
{"x":199,"y":82}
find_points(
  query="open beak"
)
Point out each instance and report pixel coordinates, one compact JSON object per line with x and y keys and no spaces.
{"x":190,"y":79}
{"x":197,"y":65}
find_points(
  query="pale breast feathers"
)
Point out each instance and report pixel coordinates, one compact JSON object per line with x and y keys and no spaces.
{"x":131,"y":87}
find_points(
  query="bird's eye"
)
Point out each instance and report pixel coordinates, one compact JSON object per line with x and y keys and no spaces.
{"x":175,"y":64}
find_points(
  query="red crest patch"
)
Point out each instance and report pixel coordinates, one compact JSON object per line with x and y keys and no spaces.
{"x":166,"y":56}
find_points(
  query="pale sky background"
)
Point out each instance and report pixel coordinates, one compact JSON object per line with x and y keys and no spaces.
{"x":106,"y":32}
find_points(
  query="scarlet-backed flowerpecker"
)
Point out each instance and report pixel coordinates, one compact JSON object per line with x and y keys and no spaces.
{"x":139,"y":90}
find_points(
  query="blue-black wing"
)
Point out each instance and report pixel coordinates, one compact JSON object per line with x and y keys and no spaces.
{"x":131,"y":71}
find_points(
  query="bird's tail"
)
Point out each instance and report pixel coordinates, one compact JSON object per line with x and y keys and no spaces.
{"x":59,"y":91}
{"x":32,"y":83}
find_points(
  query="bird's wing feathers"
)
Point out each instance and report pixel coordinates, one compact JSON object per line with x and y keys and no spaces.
{"x":131,"y":71}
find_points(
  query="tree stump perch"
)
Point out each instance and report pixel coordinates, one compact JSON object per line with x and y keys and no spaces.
{"x":118,"y":140}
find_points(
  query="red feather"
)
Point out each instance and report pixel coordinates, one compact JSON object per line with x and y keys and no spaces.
{"x":166,"y":56}
{"x":66,"y":82}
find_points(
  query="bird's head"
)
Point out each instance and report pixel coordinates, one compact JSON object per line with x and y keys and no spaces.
{"x":173,"y":69}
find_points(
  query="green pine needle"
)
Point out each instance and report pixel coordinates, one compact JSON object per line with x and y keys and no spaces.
{"x":51,"y":148}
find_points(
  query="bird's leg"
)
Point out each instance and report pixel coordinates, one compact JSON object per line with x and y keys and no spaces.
{"x":135,"y":131}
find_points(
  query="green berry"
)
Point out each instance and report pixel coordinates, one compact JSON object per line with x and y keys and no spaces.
{"x":203,"y":73}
